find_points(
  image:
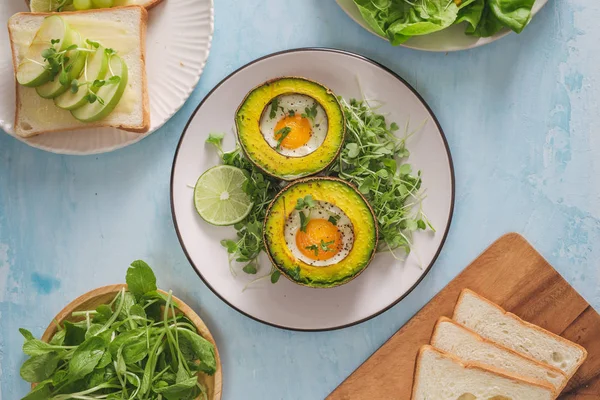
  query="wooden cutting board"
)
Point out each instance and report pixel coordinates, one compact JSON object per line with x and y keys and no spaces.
{"x":512,"y":274}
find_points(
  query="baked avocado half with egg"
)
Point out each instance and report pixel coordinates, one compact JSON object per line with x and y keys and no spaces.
{"x":291,"y":127}
{"x":320,"y":232}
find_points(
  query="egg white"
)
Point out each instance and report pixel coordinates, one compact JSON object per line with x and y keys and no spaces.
{"x":296,"y":103}
{"x":322,"y":210}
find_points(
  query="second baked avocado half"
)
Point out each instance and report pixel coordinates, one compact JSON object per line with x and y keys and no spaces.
{"x":291,"y":127}
{"x":320,"y":232}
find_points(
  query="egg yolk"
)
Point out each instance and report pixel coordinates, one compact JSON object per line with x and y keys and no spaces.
{"x":299,"y":134}
{"x":321,"y":241}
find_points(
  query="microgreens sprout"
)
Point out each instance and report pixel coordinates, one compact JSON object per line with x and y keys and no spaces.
{"x":374,"y":160}
{"x":261,"y":188}
{"x":93,"y":86}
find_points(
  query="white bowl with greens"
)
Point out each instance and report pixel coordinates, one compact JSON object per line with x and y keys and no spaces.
{"x":442,"y":25}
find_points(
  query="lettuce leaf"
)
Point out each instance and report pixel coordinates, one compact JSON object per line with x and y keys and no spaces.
{"x":399,"y":20}
{"x":514,"y":14}
{"x":471,"y":14}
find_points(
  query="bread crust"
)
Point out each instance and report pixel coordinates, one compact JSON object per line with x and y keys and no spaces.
{"x":472,"y":365}
{"x":466,"y":291}
{"x":480,"y":338}
{"x":144,"y":127}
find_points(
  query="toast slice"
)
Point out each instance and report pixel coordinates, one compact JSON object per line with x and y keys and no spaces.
{"x":123,"y":29}
{"x":494,"y":323}
{"x":457,"y":340}
{"x":441,"y":376}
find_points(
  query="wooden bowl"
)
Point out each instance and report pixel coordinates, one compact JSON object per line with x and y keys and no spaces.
{"x":104,"y":295}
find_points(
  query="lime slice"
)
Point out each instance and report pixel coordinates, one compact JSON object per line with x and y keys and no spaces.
{"x":219,"y":197}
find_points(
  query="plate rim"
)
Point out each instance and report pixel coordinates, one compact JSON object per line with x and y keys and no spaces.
{"x":141,"y":136}
{"x":497,"y":36}
{"x":450,"y":165}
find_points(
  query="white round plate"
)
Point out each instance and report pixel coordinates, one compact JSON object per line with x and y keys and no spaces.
{"x":178,"y":41}
{"x":449,"y":39}
{"x":285,"y":304}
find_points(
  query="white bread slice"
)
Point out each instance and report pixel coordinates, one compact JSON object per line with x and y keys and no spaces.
{"x":441,"y":376}
{"x":123,"y":29}
{"x":457,"y":340}
{"x":147,"y":4}
{"x":494,"y":323}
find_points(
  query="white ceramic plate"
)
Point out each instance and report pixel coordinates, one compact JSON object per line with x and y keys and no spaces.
{"x":177,"y":45}
{"x":285,"y":304}
{"x":450,"y":39}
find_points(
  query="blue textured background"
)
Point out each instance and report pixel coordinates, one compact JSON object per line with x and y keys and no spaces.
{"x":521,"y":117}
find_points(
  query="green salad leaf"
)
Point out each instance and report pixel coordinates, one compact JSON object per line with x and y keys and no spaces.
{"x":140,"y":279}
{"x":514,"y":14}
{"x":138,"y":346}
{"x":399,"y":20}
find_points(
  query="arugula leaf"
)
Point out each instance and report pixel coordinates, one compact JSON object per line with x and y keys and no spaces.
{"x":179,"y":390}
{"x":202,"y":350}
{"x":41,"y":392}
{"x":74,"y":335}
{"x":140,"y":279}
{"x":86,"y":357}
{"x":41,"y":367}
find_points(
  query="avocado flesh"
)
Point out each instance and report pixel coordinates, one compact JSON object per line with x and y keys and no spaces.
{"x":350,"y":201}
{"x":270,"y":160}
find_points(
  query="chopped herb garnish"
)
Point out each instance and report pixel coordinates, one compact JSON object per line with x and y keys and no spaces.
{"x":310,"y":113}
{"x":282,"y":133}
{"x":334,"y":219}
{"x":274,"y":107}
{"x":314,"y":248}
{"x":291,"y":113}
{"x":304,"y":221}
{"x":325,"y":245}
{"x":305,"y":202}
